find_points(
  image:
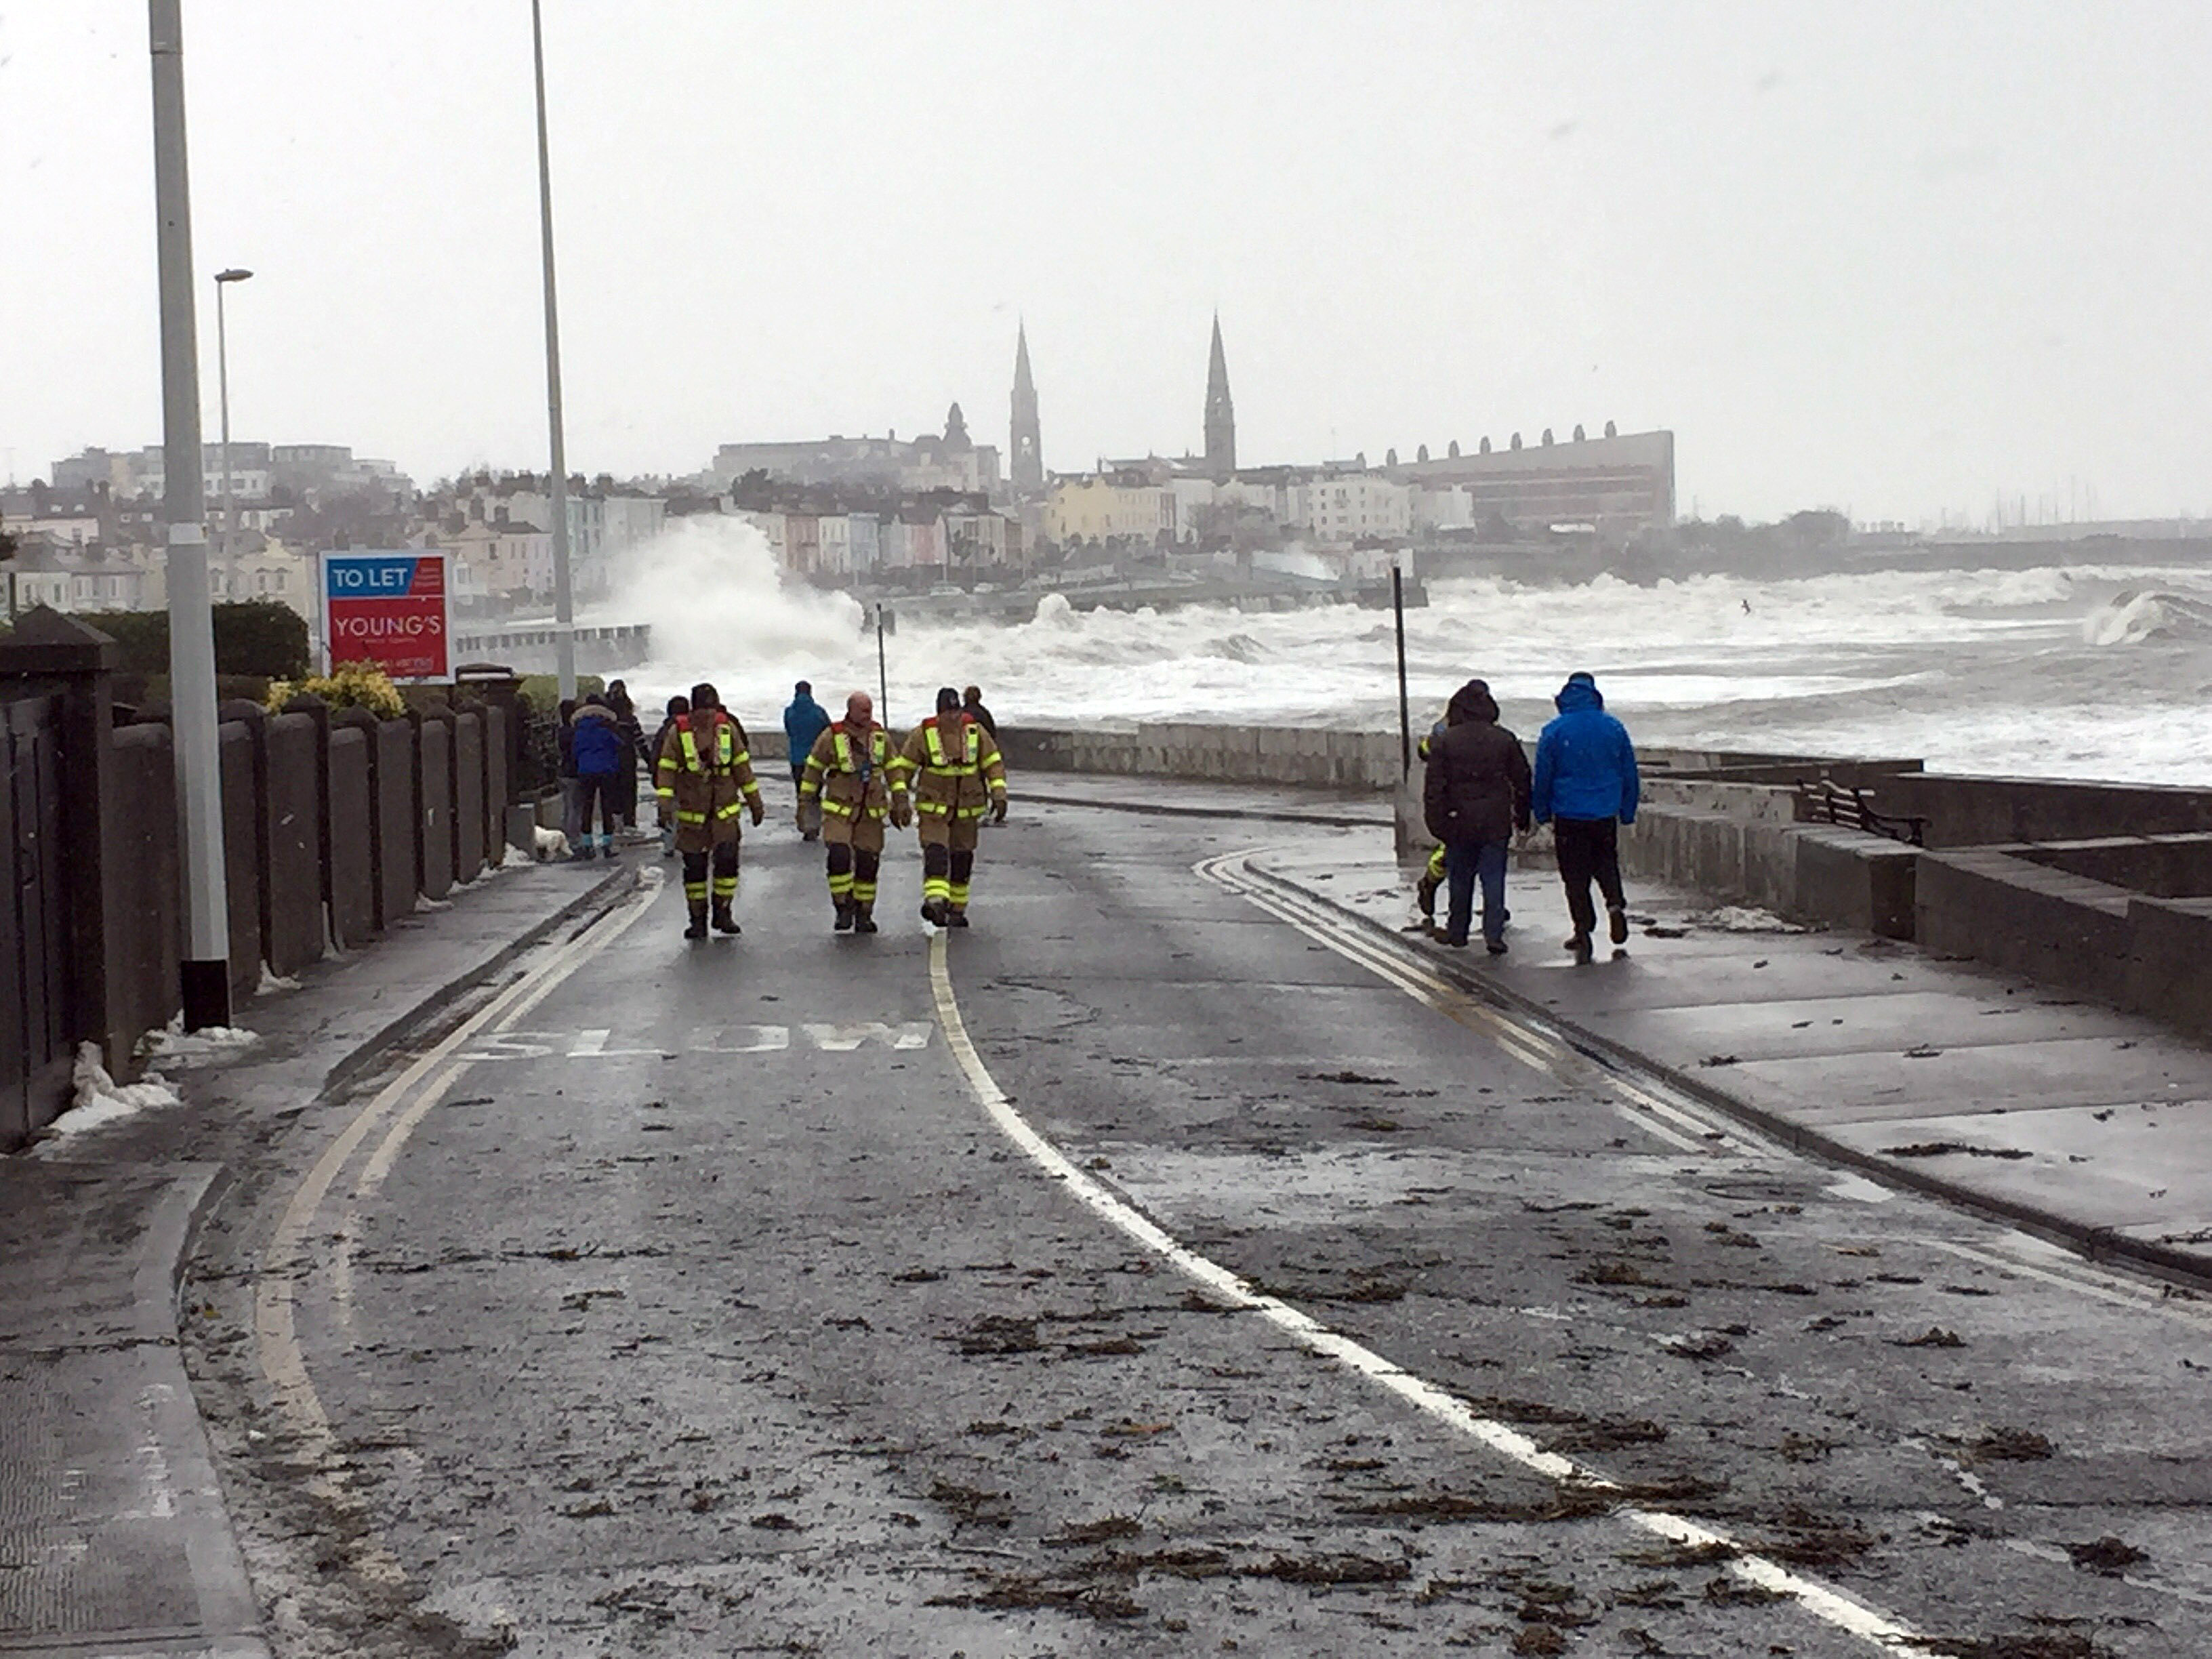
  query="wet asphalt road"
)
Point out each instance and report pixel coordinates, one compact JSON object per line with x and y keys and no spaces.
{"x":699,"y":1308}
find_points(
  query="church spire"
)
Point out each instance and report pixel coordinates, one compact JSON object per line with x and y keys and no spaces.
{"x":1026,"y":453}
{"x":1220,"y":411}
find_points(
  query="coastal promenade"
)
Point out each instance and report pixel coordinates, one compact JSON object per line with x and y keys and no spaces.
{"x":1187,"y":1258}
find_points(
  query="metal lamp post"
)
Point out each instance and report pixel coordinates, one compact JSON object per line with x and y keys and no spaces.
{"x":206,"y":966}
{"x":564,"y":611}
{"x":223,"y":279}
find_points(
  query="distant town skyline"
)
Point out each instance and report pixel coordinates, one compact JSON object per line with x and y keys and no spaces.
{"x":1901,"y":261}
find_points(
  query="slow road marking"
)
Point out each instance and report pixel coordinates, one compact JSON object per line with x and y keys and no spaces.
{"x":1823,"y":1602}
{"x":605,"y":1044}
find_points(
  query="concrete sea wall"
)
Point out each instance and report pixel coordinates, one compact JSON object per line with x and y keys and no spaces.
{"x":2101,"y":888}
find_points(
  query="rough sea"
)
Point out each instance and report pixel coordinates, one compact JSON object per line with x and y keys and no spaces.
{"x":2071,"y":672}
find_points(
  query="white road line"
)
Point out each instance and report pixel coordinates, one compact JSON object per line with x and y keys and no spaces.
{"x":2085,"y":1281}
{"x":288,"y":1257}
{"x":1525,"y":1041}
{"x":1829,"y":1605}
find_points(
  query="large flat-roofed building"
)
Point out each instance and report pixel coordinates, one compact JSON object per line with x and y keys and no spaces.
{"x":1622,"y":485}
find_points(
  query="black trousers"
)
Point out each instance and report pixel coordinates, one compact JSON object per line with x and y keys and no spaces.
{"x":1590,"y":849}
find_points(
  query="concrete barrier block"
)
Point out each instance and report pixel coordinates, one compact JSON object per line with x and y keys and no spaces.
{"x":433,"y":802}
{"x":2063,"y":929}
{"x":241,"y":856}
{"x":398,"y":828}
{"x":2170,"y":965}
{"x":291,"y":844}
{"x":1849,"y":879}
{"x":468,"y":798}
{"x":353,"y":854}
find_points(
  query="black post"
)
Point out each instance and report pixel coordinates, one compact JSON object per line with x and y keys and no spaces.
{"x":883,"y":672}
{"x":1405,"y":709}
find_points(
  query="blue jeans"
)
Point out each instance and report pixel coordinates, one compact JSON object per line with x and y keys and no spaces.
{"x":1464,"y":862}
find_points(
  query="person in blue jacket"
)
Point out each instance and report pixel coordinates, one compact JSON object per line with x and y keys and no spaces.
{"x":1586,"y":787}
{"x":804,"y":720}
{"x":601,"y":752}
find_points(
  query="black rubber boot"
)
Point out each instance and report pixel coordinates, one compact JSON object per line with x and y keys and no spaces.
{"x":845,"y":922}
{"x":724,"y":922}
{"x":936,"y":912}
{"x":955,"y":918}
{"x":1618,"y":916}
{"x":698,"y":927}
{"x":864,"y":919}
{"x":1580,"y":946}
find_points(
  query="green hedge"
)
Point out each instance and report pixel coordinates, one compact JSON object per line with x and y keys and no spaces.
{"x":264,"y":638}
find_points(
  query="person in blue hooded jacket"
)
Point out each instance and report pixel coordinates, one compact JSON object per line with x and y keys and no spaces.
{"x":1586,"y":787}
{"x":804,"y":720}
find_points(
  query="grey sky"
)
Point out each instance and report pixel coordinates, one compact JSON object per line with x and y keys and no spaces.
{"x":1896,"y":258}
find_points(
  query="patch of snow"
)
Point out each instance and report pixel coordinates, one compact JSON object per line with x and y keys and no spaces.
{"x":101,"y":1100}
{"x":425,"y":903}
{"x":174,"y":1042}
{"x":272,"y":983}
{"x":1746,"y":918}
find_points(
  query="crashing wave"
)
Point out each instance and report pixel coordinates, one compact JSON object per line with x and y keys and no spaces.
{"x":2139,"y":618}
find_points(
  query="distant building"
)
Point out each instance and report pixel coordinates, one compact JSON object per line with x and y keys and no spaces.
{"x":1621,"y":485}
{"x":1025,"y":450}
{"x":1220,"y":411}
{"x":949,"y":461}
{"x":1108,"y":506}
{"x":1345,"y":508}
{"x":75,"y":579}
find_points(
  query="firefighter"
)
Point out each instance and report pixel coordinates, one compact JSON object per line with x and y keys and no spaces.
{"x":855,"y":776}
{"x":959,"y":775}
{"x":704,"y":776}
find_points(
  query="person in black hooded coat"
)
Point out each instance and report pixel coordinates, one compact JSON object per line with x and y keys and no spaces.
{"x":1474,"y":796}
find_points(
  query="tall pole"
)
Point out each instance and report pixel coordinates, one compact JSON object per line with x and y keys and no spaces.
{"x":564,"y":607}
{"x":206,"y":966}
{"x":1404,"y":709}
{"x":882,"y":672}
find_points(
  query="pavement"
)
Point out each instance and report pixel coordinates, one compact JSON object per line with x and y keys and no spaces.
{"x":2091,"y":1127}
{"x":115,"y":1536}
{"x":1176,"y":1261}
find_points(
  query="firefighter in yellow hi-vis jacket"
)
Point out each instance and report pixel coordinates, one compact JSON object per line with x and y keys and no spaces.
{"x":854,"y":774}
{"x":958,"y":775}
{"x":704,"y":777}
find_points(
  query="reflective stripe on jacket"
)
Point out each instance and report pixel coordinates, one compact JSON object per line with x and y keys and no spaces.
{"x":959,"y":771}
{"x":850,"y":783}
{"x":708,"y":782}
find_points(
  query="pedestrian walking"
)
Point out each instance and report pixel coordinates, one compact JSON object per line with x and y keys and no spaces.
{"x":972,"y":700}
{"x":1475,"y":795}
{"x":1586,"y":787}
{"x":853,"y":775}
{"x":600,"y":751}
{"x":635,"y":752}
{"x":804,"y":722}
{"x":677,"y":706}
{"x":958,"y":775}
{"x":704,"y":775}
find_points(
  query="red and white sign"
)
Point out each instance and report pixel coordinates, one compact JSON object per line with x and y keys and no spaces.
{"x":389,"y":609}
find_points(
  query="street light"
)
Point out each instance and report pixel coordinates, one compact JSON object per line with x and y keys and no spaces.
{"x":206,"y":964}
{"x":223,"y":279}
{"x":564,"y":611}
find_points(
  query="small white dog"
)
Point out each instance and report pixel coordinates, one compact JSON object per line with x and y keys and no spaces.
{"x":551,"y":845}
